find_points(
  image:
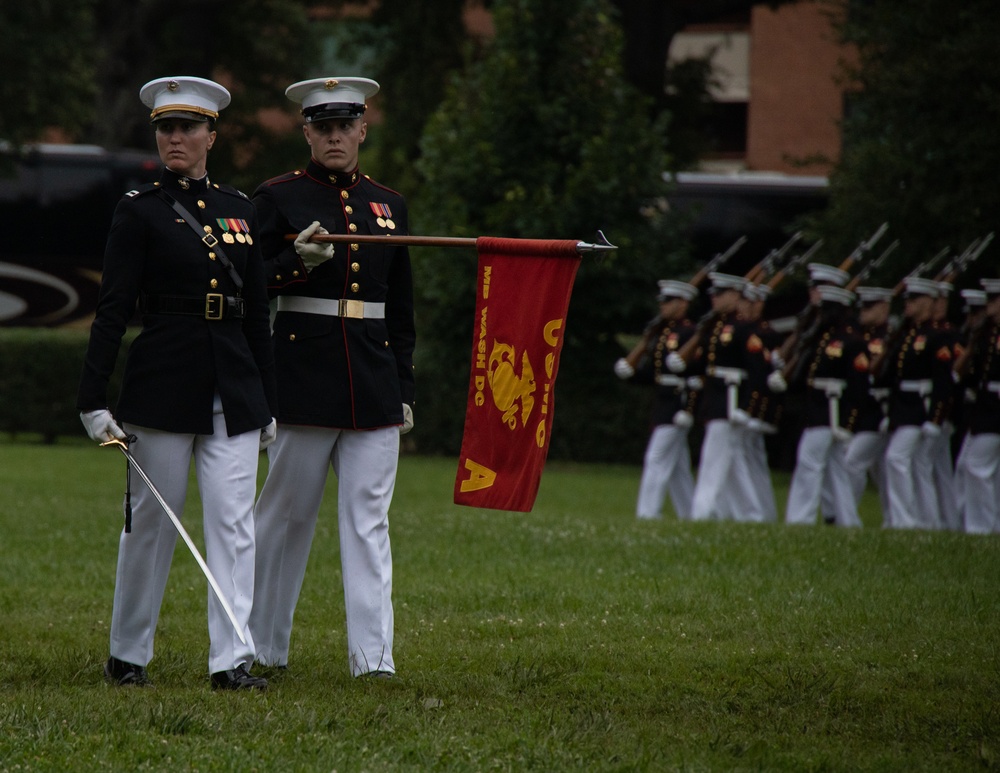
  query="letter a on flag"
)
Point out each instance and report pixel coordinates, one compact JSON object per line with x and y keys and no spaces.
{"x":522,"y":296}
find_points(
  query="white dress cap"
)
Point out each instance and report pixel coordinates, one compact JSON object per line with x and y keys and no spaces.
{"x":323,"y":98}
{"x":674,"y":288}
{"x":874,"y":294}
{"x":754,"y":292}
{"x":822,"y":274}
{"x":990,"y":286}
{"x":184,"y":96}
{"x":974,"y":297}
{"x":726,"y":281}
{"x":916,"y":285}
{"x":834,"y":294}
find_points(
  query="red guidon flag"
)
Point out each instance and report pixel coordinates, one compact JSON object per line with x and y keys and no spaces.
{"x":521,"y":300}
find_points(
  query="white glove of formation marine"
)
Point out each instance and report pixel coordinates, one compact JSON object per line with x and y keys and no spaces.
{"x":622,"y":369}
{"x":312,"y":253}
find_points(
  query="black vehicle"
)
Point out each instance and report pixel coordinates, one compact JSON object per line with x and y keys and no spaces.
{"x":762,"y":206}
{"x":56,"y":203}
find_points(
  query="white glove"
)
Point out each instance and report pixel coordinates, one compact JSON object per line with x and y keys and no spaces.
{"x":268,"y":434}
{"x":675,"y":363}
{"x":313,"y":254}
{"x":739,"y":417}
{"x":756,"y":425}
{"x":101,"y":425}
{"x":683,"y":420}
{"x":842,"y":435}
{"x":407,"y":419}
{"x":776,"y":382}
{"x":777,"y":361}
{"x":622,"y":369}
{"x":883,"y":426}
{"x":695,"y":383}
{"x":930,"y":430}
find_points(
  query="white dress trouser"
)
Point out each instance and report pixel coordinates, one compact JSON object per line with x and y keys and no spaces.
{"x":365,"y":464}
{"x":751,"y":497}
{"x":960,"y":478}
{"x":909,"y":480}
{"x":819,"y":456}
{"x":666,"y":467}
{"x":944,"y":478}
{"x":227,"y":480}
{"x":712,"y":488}
{"x":866,"y":456}
{"x":980,"y":463}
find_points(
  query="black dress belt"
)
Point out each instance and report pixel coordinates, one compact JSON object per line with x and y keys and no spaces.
{"x":212,"y":306}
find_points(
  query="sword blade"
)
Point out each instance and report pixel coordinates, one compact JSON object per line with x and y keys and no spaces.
{"x":184,"y":535}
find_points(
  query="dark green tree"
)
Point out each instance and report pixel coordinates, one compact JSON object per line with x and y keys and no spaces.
{"x":413,"y":70}
{"x":46,"y":56}
{"x":257,"y":47}
{"x":544,"y":138}
{"x":920,"y":144}
{"x":78,"y":65}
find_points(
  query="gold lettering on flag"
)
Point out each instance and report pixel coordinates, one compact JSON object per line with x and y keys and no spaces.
{"x":480,"y":477}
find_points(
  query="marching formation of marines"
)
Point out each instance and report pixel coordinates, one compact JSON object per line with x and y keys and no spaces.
{"x":911,"y":403}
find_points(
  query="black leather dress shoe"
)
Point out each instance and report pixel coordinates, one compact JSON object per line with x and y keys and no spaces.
{"x":237,"y":679}
{"x":125,"y":674}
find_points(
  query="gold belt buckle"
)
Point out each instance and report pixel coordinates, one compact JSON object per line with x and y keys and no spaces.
{"x":352,"y":309}
{"x":214,"y":299}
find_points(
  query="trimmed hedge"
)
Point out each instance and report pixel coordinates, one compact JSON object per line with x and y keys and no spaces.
{"x":39,"y":374}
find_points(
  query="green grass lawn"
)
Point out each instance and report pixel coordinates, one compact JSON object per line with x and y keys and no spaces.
{"x":573,"y":637}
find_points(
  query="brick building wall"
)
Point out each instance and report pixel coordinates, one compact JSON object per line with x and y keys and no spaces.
{"x":796,"y":102}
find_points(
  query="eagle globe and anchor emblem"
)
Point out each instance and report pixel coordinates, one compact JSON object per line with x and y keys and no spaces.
{"x":508,"y":387}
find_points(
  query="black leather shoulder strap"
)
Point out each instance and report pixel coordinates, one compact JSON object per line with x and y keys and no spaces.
{"x":207,"y":239}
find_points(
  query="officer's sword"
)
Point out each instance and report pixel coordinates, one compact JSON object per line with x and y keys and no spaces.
{"x":184,"y":535}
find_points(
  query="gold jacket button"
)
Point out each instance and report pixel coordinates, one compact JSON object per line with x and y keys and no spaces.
{"x":349,"y":209}
{"x":355,"y":267}
{"x":291,"y":337}
{"x":352,"y":228}
{"x":295,"y":273}
{"x":355,"y":287}
{"x":214,"y":283}
{"x":201,"y":204}
{"x":277,"y":277}
{"x":211,"y":256}
{"x":354,"y":247}
{"x":344,"y":194}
